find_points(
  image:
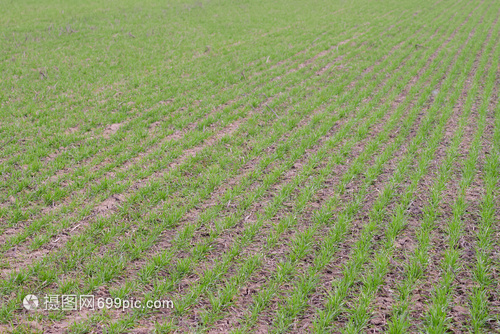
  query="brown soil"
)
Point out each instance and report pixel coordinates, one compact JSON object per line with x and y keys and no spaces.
{"x":274,"y":256}
{"x":20,"y":257}
{"x":111,"y":130}
{"x":421,"y":295}
{"x":190,"y":152}
{"x":171,"y":234}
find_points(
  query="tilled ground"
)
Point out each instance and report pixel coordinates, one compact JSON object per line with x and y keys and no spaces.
{"x":334,"y":171}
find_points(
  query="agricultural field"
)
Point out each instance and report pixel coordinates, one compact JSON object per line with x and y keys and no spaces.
{"x":279,"y":166}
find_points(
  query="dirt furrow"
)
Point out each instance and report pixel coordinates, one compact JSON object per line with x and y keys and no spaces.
{"x":285,"y":243}
{"x":421,"y":293}
{"x":117,"y":199}
{"x":408,"y":240}
{"x":307,"y":318}
{"x":55,"y":209}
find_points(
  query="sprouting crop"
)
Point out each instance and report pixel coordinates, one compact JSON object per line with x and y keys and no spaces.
{"x":256,"y":166}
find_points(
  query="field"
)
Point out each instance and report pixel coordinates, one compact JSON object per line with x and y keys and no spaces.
{"x":262,"y":166}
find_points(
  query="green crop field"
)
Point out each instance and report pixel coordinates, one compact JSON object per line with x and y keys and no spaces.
{"x":238,"y":166}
